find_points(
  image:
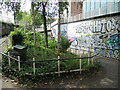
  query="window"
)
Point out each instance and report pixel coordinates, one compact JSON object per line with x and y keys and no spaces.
{"x":88,"y":5}
{"x":92,"y":4}
{"x":84,"y":6}
{"x":116,"y":1}
{"x":97,"y":4}
{"x":110,"y":2}
{"x":103,"y":3}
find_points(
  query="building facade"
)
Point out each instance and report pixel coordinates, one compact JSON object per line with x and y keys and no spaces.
{"x":75,"y":8}
{"x":97,"y":27}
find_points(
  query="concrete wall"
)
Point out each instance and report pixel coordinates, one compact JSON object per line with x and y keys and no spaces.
{"x":100,"y":32}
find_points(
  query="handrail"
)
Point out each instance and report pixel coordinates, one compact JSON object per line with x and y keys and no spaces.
{"x":9,"y":56}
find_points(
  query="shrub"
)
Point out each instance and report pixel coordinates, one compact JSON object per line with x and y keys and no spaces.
{"x":52,"y":44}
{"x":18,"y":36}
{"x":64,"y":44}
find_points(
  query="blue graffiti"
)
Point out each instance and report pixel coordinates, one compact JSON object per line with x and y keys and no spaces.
{"x":114,"y":41}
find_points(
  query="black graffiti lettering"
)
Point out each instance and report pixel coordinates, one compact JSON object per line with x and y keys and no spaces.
{"x":103,"y":26}
{"x":113,"y":23}
{"x":109,"y":26}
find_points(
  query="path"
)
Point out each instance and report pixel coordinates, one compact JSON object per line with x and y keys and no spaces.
{"x":5,"y":82}
{"x":108,"y":78}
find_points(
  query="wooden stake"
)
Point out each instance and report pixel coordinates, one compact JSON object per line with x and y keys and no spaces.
{"x":88,"y":56}
{"x":80,"y":65}
{"x":9,"y":59}
{"x":92,"y":58}
{"x":58,"y":66}
{"x":34,"y":66}
{"x":19,"y":63}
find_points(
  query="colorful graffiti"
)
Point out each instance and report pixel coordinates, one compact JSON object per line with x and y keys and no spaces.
{"x":64,"y":30}
{"x":114,"y":41}
{"x":99,"y":33}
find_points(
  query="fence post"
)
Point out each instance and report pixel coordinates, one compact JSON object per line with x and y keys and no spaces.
{"x":80,"y":65}
{"x":83,"y":52}
{"x":75,"y":50}
{"x":34,"y":65}
{"x":88,"y":56}
{"x":19,"y":63}
{"x":70,"y":50}
{"x":93,"y":58}
{"x":9,"y":59}
{"x":58,"y":66}
{"x":78,"y":51}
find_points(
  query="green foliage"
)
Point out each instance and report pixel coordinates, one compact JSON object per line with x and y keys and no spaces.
{"x":88,"y":67}
{"x":18,"y":36}
{"x":64,"y":44}
{"x":26,"y":72}
{"x":40,"y":52}
{"x":29,"y":39}
{"x":52,"y":44}
{"x":27,"y":18}
{"x":38,"y":18}
{"x":63,"y":6}
{"x":19,"y":15}
{"x":48,"y":66}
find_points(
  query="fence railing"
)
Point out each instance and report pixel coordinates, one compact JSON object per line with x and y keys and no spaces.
{"x":89,"y":58}
{"x":87,"y":54}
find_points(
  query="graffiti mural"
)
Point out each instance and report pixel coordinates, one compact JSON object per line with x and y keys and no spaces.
{"x":64,"y":29}
{"x":114,"y":41}
{"x":102,"y":33}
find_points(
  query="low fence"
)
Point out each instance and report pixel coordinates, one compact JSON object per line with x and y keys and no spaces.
{"x":89,"y":58}
{"x":88,"y":54}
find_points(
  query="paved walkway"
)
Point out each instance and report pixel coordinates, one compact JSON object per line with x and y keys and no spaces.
{"x":107,"y":78}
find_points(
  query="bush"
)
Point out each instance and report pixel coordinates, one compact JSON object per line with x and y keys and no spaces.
{"x":64,"y":44}
{"x":18,"y":36}
{"x":52,"y":44}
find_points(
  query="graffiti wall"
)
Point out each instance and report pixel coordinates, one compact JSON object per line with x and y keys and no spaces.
{"x":101,"y":32}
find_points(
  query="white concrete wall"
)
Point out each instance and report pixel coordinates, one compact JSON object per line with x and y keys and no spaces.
{"x":87,"y":33}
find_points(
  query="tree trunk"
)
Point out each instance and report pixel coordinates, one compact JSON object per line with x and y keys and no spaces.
{"x":33,"y":23}
{"x":58,"y":44}
{"x":14,"y":18}
{"x":45,"y":26}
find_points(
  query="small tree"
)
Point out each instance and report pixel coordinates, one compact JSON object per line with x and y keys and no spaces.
{"x":64,"y":44}
{"x":41,"y":8}
{"x":62,"y":7}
